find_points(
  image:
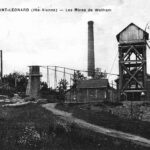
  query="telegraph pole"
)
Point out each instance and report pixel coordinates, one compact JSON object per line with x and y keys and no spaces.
{"x":64,"y":74}
{"x":1,"y":66}
{"x":48,"y":80}
{"x":55,"y":78}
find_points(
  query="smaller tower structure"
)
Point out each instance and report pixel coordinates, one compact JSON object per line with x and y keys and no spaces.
{"x":33,"y":86}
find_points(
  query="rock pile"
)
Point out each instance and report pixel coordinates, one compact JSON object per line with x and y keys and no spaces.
{"x":133,"y":110}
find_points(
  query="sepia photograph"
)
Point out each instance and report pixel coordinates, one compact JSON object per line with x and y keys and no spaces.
{"x":74,"y":75}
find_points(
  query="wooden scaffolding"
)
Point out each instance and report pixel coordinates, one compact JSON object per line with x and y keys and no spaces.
{"x":132,"y":62}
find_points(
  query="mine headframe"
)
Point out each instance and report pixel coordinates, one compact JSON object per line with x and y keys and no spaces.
{"x":132,"y":60}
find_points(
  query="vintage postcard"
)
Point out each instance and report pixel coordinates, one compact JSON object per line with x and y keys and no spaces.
{"x":74,"y":75}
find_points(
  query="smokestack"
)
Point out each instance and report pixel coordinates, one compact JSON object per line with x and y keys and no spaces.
{"x":1,"y":64}
{"x":91,"y":60}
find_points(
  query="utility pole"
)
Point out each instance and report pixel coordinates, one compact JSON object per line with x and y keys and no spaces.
{"x":48,"y":80}
{"x":70,"y":81}
{"x":55,"y":78}
{"x":1,"y":66}
{"x":64,"y":74}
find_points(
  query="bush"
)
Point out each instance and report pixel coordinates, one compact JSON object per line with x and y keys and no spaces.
{"x":9,"y":93}
{"x":29,"y":99}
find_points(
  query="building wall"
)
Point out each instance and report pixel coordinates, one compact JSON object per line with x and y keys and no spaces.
{"x":33,"y":87}
{"x":112,"y":95}
{"x":87,"y":95}
{"x":71,"y":96}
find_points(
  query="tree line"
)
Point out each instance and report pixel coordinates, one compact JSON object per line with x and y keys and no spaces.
{"x":17,"y":83}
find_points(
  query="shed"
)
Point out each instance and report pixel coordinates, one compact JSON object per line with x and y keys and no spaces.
{"x":89,"y":91}
{"x":92,"y":90}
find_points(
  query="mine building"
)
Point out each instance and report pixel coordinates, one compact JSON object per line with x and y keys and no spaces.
{"x":93,"y":89}
{"x":133,"y":82}
{"x":89,"y":91}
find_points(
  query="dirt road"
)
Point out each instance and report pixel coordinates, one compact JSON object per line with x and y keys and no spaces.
{"x":110,"y":132}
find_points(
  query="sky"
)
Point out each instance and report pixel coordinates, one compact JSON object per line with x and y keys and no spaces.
{"x":60,"y":38}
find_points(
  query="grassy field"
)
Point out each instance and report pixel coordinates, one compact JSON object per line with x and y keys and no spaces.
{"x":31,"y":127}
{"x":106,"y":119}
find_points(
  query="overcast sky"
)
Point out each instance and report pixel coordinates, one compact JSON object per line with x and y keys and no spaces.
{"x":60,"y":38}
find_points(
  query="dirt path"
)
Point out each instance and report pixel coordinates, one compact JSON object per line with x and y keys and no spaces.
{"x":110,"y":132}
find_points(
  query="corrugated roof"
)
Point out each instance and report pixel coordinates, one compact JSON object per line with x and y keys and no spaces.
{"x":100,"y":83}
{"x":145,"y":33}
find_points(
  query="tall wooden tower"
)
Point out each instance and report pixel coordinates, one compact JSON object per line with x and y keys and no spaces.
{"x":132,"y":62}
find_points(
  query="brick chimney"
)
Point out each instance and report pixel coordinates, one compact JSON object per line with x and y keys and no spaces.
{"x":91,"y":59}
